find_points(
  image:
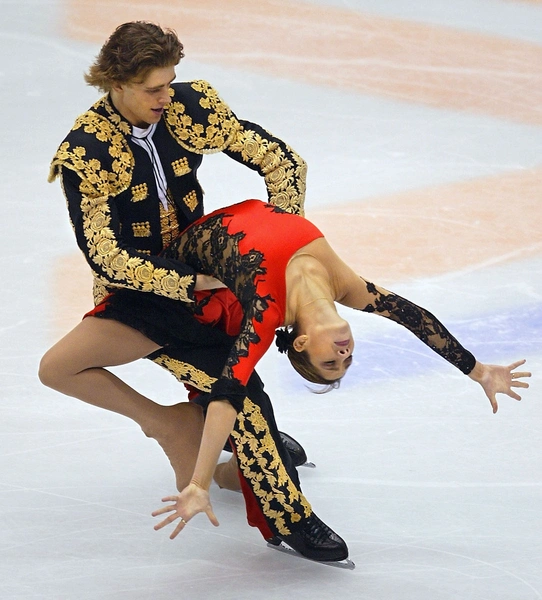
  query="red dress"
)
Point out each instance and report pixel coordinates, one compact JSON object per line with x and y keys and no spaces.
{"x":247,"y":246}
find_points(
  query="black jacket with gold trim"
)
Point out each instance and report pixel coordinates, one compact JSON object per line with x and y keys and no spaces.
{"x":118,"y":219}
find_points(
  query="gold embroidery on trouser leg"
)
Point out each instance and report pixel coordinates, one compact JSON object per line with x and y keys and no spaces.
{"x":186,"y":373}
{"x":281,"y":501}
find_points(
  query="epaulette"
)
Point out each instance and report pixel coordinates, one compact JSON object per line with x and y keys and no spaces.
{"x":198,"y":119}
{"x":97,"y":150}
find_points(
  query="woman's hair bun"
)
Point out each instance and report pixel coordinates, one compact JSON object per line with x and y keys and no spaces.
{"x":284,"y":340}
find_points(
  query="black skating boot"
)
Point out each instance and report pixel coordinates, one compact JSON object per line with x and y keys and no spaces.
{"x":315,"y":541}
{"x":293,"y":447}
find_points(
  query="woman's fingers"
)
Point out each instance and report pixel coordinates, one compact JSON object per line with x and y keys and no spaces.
{"x":166,"y":521}
{"x":212,"y":517}
{"x":191,"y":507}
{"x":163,"y":510}
{"x":494,"y":404}
{"x":516,"y":364}
{"x":178,"y":529}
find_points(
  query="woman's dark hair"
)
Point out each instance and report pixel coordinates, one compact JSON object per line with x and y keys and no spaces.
{"x":300,"y":360}
{"x":132,"y":51}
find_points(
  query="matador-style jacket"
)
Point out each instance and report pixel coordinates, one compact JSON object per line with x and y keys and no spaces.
{"x":120,"y":224}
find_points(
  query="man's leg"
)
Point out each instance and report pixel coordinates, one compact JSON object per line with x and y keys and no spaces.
{"x":274,"y":501}
{"x":75,"y":367}
{"x":270,"y":482}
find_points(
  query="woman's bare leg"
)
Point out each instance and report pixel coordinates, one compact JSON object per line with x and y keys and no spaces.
{"x":75,"y":367}
{"x":227,"y":475}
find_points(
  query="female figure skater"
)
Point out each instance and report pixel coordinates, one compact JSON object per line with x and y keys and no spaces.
{"x":283,"y":274}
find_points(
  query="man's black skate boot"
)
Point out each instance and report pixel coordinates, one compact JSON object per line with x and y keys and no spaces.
{"x":293,"y":447}
{"x":316,"y":541}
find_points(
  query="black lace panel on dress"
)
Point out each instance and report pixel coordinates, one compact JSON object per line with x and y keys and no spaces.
{"x":422,"y":324}
{"x":210,"y":249}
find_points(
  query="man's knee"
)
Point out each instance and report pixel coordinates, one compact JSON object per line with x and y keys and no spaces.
{"x":50,"y":371}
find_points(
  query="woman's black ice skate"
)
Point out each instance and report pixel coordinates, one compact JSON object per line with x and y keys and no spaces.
{"x":295,"y":450}
{"x":293,"y":447}
{"x":315,"y":541}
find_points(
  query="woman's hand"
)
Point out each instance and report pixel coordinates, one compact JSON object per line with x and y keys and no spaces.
{"x":194,"y":498}
{"x":496,"y":379}
{"x":191,"y":501}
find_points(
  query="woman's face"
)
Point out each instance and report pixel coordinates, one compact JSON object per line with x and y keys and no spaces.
{"x":330,"y":349}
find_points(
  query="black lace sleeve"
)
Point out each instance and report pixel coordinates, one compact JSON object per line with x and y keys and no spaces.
{"x":422,"y":324}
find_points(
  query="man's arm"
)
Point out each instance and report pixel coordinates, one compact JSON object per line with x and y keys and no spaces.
{"x":98,"y":233}
{"x":283,"y":170}
{"x":200,"y":121}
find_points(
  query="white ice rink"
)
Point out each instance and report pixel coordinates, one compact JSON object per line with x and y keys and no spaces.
{"x":437,"y":498}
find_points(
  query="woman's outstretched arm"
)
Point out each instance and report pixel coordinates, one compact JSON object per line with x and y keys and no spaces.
{"x":368,"y":297}
{"x":194,"y":499}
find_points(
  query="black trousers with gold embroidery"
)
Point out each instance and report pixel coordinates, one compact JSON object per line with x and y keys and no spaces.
{"x":269,"y":480}
{"x":195,"y":354}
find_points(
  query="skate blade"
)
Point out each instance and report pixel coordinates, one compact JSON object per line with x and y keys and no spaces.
{"x":309,"y":465}
{"x":340,"y":564}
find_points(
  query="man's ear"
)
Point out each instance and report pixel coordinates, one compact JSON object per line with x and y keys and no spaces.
{"x":300,"y":342}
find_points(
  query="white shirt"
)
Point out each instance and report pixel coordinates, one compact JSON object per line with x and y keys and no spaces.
{"x":143,"y":138}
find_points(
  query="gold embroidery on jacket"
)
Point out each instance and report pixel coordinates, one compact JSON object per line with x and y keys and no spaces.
{"x":121,"y":268}
{"x":191,"y":200}
{"x":181,"y":167}
{"x":98,"y":186}
{"x":199,"y":137}
{"x":284,"y":175}
{"x":95,"y":180}
{"x":99,"y":288}
{"x":142,"y":229}
{"x":169,"y":226}
{"x":140,"y":192}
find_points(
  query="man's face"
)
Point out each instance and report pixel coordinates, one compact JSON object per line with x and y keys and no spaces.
{"x":142,"y":103}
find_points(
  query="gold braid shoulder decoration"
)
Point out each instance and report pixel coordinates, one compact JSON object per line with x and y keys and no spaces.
{"x":111,"y":130}
{"x":205,"y":128}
